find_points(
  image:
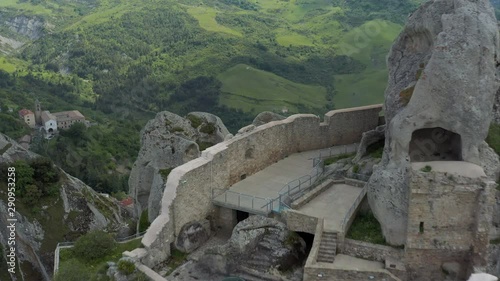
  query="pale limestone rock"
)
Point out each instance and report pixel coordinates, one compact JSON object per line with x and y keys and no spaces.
{"x":168,"y":141}
{"x":266,"y":117}
{"x":449,"y":50}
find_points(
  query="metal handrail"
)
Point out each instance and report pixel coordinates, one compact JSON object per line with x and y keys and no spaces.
{"x":293,"y":187}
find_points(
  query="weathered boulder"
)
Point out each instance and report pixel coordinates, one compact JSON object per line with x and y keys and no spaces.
{"x":448,"y":52}
{"x":11,"y":151}
{"x":257,"y":243}
{"x":369,"y":138}
{"x":168,"y":141}
{"x":266,"y":117}
{"x":192,"y":236}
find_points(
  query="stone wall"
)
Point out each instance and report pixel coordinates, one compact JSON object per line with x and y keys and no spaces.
{"x":449,"y":218}
{"x":370,"y":251}
{"x":189,"y":187}
{"x":297,"y":221}
{"x":322,"y":273}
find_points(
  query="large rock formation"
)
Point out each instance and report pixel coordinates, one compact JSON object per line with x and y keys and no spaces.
{"x":64,"y":217}
{"x":257,"y":244}
{"x":438,"y":103}
{"x":167,"y":142}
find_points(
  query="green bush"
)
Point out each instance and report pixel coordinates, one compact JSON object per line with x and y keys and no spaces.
{"x":94,"y":245}
{"x":426,"y":169}
{"x":144,"y":221}
{"x":493,"y":138}
{"x":73,"y":271}
{"x":355,"y":168}
{"x":195,"y":120}
{"x":208,"y":128}
{"x":365,"y":227}
{"x":165,"y":172}
{"x":334,"y":159}
{"x":126,"y":267}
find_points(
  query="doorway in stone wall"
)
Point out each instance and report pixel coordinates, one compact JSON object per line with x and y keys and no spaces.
{"x":435,"y":144}
{"x":240,"y":215}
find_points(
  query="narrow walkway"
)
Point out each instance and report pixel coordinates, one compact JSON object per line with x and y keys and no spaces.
{"x":254,"y":192}
{"x":332,"y":205}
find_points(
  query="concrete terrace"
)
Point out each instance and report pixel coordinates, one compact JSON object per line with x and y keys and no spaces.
{"x":254,"y":192}
{"x":332,"y":205}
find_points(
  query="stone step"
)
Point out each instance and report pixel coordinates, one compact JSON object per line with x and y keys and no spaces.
{"x":252,"y":275}
{"x":326,"y":260}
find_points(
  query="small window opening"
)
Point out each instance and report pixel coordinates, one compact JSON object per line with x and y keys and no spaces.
{"x":421,"y":227}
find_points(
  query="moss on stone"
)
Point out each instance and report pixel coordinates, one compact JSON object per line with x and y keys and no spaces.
{"x":405,"y":95}
{"x":195,"y":120}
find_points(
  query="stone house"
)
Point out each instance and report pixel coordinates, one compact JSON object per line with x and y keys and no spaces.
{"x":67,"y":118}
{"x":28,"y":116}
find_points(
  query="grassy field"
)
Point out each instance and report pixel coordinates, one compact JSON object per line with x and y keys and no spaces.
{"x":248,"y":89}
{"x":206,"y":18}
{"x":368,"y":43}
{"x":67,"y":254}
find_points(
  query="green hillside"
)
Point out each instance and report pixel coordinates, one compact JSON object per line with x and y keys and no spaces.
{"x":247,"y":88}
{"x":121,"y":61}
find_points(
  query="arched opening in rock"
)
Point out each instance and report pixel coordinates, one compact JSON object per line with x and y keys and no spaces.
{"x":435,"y":144}
{"x":240,"y":215}
{"x":309,"y":239}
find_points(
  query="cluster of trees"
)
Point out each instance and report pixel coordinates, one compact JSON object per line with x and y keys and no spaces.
{"x":35,"y":179}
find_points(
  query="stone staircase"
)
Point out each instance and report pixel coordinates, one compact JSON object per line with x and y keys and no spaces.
{"x":327,"y":247}
{"x":254,"y":275}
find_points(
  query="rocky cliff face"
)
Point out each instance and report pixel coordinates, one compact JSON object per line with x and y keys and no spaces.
{"x":76,"y":210}
{"x":438,"y":103}
{"x":31,"y":27}
{"x":167,"y":142}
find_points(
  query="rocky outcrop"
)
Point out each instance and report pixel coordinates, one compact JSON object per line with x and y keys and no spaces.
{"x":11,"y":151}
{"x":192,"y":236}
{"x":266,"y":117}
{"x":76,"y":210}
{"x":28,"y":26}
{"x":168,"y":141}
{"x":442,"y":83}
{"x":257,"y":244}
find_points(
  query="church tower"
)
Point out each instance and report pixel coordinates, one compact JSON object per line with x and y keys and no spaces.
{"x":38,"y":113}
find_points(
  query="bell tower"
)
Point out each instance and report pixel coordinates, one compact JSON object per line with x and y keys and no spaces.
{"x":38,"y":113}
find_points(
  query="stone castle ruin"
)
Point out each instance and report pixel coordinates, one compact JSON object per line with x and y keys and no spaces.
{"x":433,"y":191}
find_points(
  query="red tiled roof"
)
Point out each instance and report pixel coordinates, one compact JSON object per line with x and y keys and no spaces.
{"x":23,"y":112}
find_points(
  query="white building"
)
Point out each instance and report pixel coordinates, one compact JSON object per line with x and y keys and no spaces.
{"x":49,"y":122}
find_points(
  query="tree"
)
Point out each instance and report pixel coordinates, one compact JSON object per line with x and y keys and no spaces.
{"x":94,"y":245}
{"x":24,"y":176}
{"x":73,"y":270}
{"x":31,"y":195}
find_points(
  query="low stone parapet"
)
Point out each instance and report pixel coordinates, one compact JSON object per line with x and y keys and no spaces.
{"x":369,"y":251}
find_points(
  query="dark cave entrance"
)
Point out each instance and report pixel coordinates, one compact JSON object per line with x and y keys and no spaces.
{"x":240,"y":215}
{"x":435,"y":144}
{"x":309,"y":239}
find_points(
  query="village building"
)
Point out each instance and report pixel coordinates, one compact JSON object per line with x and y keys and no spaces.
{"x":28,"y":116}
{"x":66,"y":119}
{"x":49,"y":122}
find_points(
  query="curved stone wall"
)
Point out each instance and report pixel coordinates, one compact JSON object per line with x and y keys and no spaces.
{"x":188,"y":191}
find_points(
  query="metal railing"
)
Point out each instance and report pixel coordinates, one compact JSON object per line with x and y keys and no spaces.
{"x":289,"y":192}
{"x":337,"y":150}
{"x":353,"y":208}
{"x":243,"y":202}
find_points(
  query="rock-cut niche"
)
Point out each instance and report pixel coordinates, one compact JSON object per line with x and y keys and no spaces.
{"x":435,"y":144}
